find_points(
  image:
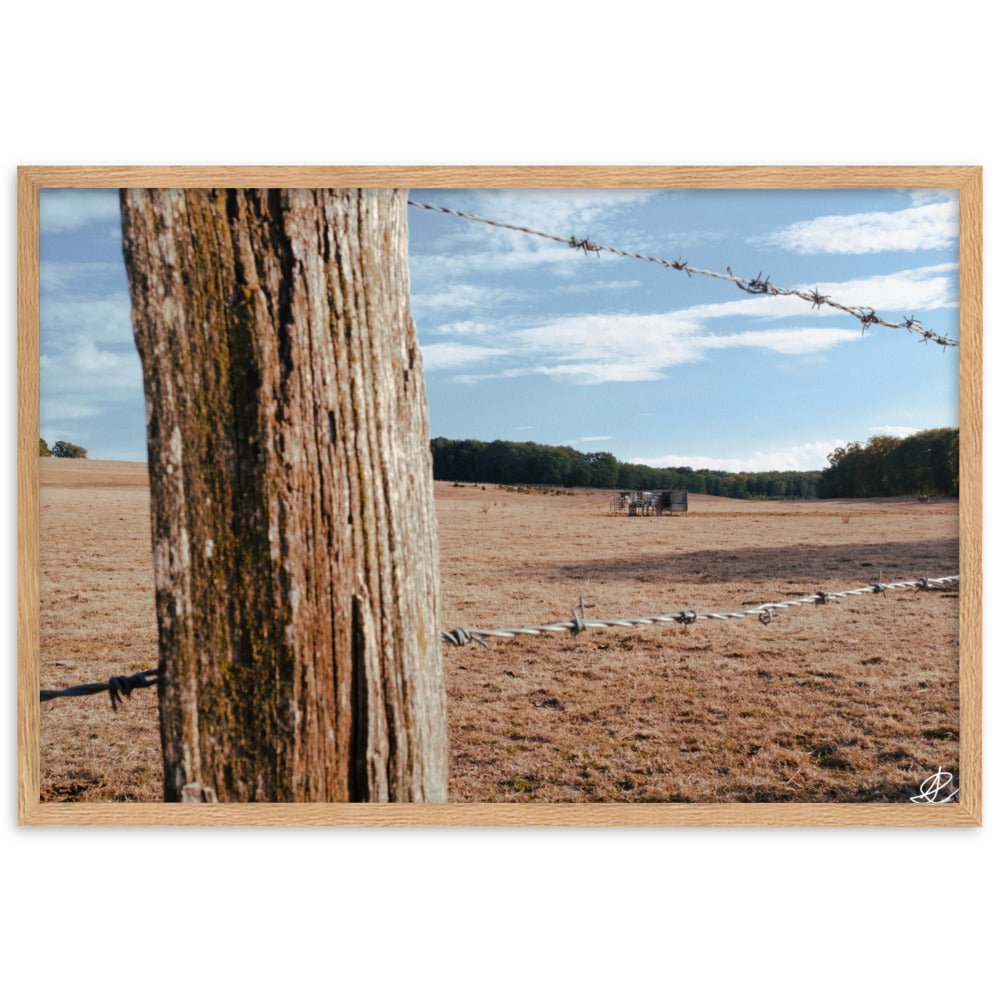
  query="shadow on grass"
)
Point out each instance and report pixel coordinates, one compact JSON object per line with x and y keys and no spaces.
{"x":815,"y":561}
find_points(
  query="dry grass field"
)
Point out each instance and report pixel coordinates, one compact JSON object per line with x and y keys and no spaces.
{"x":853,"y":701}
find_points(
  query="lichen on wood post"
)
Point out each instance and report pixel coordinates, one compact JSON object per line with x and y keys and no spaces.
{"x":294,"y":535}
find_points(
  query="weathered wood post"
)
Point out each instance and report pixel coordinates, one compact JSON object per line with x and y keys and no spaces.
{"x":294,"y":535}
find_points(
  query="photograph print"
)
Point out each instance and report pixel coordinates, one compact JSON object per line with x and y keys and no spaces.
{"x":501,"y":496}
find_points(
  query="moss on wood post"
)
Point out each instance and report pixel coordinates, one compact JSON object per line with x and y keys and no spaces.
{"x":294,"y":535}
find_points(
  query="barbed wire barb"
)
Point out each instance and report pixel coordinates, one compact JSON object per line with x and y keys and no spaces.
{"x":116,"y":687}
{"x":753,"y":286}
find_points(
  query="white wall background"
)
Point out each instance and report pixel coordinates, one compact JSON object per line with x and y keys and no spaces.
{"x":162,"y":913}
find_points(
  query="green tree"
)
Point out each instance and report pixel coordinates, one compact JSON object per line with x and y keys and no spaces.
{"x":43,"y":448}
{"x":602,"y":468}
{"x":63,"y":449}
{"x":528,"y":462}
{"x":926,"y":462}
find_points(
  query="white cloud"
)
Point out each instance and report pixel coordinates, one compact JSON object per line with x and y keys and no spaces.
{"x":556,"y":210}
{"x":457,"y":298}
{"x":784,"y":340}
{"x":58,"y":276}
{"x":596,"y":348}
{"x":893,"y":430}
{"x":517,"y":254}
{"x":77,"y":369}
{"x":497,"y":250}
{"x":80,"y":382}
{"x":107,"y":319}
{"x":449,"y":354}
{"x":598,"y":286}
{"x":63,"y":209}
{"x":927,"y":225}
{"x":610,"y":338}
{"x":924,"y":196}
{"x":475,"y":379}
{"x":61,"y":409}
{"x":809,"y":456}
{"x":931,"y":287}
{"x":84,"y":357}
{"x":463,"y":328}
{"x":596,"y":372}
{"x":910,"y":290}
{"x":593,"y":349}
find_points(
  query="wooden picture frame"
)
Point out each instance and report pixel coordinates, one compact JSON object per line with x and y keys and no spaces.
{"x":967,"y":812}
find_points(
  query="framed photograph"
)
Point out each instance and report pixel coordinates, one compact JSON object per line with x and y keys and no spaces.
{"x":482,"y":496}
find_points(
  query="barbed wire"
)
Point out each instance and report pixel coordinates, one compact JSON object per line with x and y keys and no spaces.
{"x":120,"y":685}
{"x":866,"y":315}
{"x":115,"y":686}
{"x":763,"y":612}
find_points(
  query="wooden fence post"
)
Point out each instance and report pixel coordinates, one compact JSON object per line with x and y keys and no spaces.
{"x":294,"y":533}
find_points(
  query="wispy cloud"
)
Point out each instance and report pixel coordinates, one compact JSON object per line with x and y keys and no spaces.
{"x":924,"y":196}
{"x":106,"y":319}
{"x":926,"y":225}
{"x":78,"y":365}
{"x":517,"y":254}
{"x":556,"y":210}
{"x":58,"y":410}
{"x":615,"y":347}
{"x":932,"y":287}
{"x":919,"y":288}
{"x":59,"y":276}
{"x":808,"y":456}
{"x":593,"y":349}
{"x":785,"y":340}
{"x":63,"y":209}
{"x":462,"y":328}
{"x":894,"y":430}
{"x":80,"y":381}
{"x":457,"y":298}
{"x":450,"y":354}
{"x":588,"y":439}
{"x":598,"y":286}
{"x":610,"y":347}
{"x":485,"y":249}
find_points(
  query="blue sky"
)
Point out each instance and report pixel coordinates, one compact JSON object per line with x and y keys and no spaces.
{"x":527,"y":339}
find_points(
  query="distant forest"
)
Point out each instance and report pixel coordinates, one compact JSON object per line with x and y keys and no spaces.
{"x":527,"y":462}
{"x":926,"y":463}
{"x":922,"y":464}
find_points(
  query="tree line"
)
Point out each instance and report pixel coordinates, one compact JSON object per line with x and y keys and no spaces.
{"x":922,"y":464}
{"x":560,"y":465}
{"x":61,"y":449}
{"x":885,"y":466}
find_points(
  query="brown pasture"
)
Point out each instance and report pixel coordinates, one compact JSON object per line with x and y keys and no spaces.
{"x":852,"y":701}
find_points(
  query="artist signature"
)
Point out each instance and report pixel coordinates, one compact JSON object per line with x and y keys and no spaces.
{"x":935,"y":786}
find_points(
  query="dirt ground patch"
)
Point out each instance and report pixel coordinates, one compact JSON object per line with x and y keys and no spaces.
{"x":854,"y":701}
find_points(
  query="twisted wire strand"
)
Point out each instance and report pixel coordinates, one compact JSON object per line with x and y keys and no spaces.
{"x":764,"y":612}
{"x":753,"y":286}
{"x":115,"y":686}
{"x":120,"y":685}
